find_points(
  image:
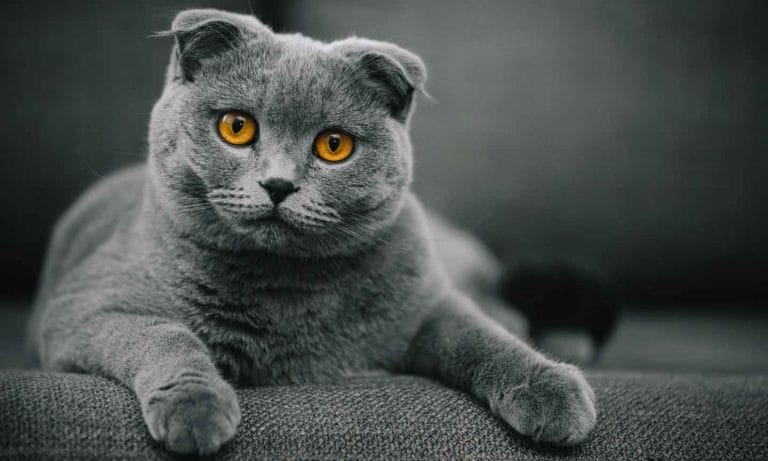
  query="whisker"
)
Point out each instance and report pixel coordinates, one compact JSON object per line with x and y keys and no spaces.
{"x":375,"y":241}
{"x":228,"y":194}
{"x":192,"y":207}
{"x":322,"y":210}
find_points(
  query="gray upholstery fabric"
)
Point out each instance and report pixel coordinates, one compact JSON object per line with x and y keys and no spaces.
{"x":642,"y":416}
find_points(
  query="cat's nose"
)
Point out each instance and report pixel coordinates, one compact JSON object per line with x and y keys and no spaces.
{"x":278,"y":189}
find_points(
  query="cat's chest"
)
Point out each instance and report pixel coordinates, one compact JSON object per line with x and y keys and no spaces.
{"x":271,"y":336}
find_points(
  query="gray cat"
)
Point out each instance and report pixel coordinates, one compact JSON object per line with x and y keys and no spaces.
{"x":271,"y":238}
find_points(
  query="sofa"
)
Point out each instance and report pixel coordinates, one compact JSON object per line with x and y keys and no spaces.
{"x":705,"y":397}
{"x":643,"y":416}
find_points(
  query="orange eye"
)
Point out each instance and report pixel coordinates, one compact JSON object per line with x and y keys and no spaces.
{"x":237,"y":128}
{"x":334,"y":146}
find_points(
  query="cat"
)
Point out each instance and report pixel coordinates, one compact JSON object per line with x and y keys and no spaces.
{"x":271,"y":237}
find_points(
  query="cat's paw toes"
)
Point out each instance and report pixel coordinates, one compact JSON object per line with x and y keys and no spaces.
{"x":192,"y":417}
{"x":555,"y":405}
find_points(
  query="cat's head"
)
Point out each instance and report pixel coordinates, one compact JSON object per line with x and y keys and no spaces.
{"x":280,"y":142}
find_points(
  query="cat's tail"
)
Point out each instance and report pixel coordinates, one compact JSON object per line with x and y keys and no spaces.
{"x":571,"y":311}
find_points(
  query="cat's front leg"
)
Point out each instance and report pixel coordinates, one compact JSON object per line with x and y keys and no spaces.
{"x":184,"y":401}
{"x":546,"y":400}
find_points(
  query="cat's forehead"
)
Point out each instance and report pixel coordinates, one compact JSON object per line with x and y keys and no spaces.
{"x":293,"y":83}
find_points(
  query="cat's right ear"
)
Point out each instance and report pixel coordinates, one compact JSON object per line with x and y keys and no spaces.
{"x":203,"y":34}
{"x":392,"y":73}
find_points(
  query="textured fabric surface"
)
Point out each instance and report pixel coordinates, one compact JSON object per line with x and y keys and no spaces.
{"x":642,"y":416}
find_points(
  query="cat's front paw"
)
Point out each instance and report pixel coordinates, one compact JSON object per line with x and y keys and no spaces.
{"x":555,"y":404}
{"x":193,"y":416}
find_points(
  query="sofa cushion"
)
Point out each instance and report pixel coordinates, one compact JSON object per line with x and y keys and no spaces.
{"x":642,"y":416}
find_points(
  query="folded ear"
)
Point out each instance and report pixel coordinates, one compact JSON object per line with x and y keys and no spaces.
{"x":206,"y":33}
{"x":392,"y":73}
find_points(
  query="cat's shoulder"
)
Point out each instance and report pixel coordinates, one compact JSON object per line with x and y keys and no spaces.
{"x":109,"y":197}
{"x":102,"y":205}
{"x":414,"y":215}
{"x":95,"y":216}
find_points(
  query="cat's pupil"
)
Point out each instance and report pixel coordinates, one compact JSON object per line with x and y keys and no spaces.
{"x":237,"y":125}
{"x":334,"y":141}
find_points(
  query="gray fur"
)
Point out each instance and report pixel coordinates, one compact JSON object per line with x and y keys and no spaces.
{"x":163,"y":278}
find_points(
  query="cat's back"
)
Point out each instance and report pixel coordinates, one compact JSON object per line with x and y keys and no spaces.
{"x":90,"y":221}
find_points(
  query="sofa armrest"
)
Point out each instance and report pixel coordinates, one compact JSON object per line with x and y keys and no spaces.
{"x":641,"y":416}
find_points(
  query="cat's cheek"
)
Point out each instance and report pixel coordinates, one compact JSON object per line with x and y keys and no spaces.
{"x":218,"y":167}
{"x":234,"y":155}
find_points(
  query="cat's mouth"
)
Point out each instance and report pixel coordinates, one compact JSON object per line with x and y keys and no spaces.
{"x":276,"y":219}
{"x":270,"y":218}
{"x":239,"y":211}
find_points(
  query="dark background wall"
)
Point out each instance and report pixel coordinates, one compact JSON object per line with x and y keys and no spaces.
{"x":629,"y":135}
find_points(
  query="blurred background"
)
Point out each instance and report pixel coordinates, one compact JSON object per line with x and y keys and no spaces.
{"x":630,"y":136}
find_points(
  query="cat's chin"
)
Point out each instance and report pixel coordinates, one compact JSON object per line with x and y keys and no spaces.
{"x":268,"y":234}
{"x":269,"y":226}
{"x":287,"y":231}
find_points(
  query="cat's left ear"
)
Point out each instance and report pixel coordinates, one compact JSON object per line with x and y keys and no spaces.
{"x":392,"y":73}
{"x":203,"y":34}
